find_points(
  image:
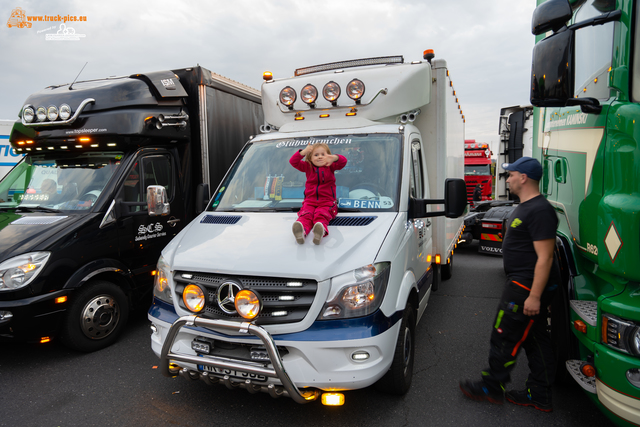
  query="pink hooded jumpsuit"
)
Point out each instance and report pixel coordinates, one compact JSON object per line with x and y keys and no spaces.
{"x":320,"y":204}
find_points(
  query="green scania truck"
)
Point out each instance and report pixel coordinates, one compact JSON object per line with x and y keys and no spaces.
{"x":585,"y":86}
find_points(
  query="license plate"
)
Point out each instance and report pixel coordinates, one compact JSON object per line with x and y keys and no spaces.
{"x":232,"y":373}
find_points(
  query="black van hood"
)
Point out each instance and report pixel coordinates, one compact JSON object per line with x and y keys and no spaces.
{"x":27,"y":232}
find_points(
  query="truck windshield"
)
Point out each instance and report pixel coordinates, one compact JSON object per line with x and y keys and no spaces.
{"x":477,"y":170}
{"x":262,"y":179}
{"x":53,"y":183}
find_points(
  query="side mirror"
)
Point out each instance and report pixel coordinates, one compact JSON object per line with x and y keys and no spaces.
{"x":157,"y":203}
{"x":455,"y":197}
{"x":202,"y":197}
{"x":550,"y":16}
{"x":552,"y":70}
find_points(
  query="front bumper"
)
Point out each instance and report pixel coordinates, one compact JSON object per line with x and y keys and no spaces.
{"x":314,"y":360}
{"x":32,"y":318}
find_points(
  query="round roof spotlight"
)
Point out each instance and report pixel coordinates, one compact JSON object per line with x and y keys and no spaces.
{"x":309,"y":94}
{"x":248,"y":304}
{"x":193,"y":298}
{"x":41,"y":114}
{"x":331,"y":92}
{"x":28,"y":114}
{"x":65,"y":112}
{"x":355,"y":90}
{"x":288,"y":97}
{"x":52,"y":113}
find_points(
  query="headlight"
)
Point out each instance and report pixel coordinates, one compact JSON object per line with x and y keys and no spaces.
{"x":193,"y":297}
{"x":65,"y":112}
{"x":52,"y":113}
{"x":161,"y":288}
{"x":355,"y":89}
{"x":248,"y":304}
{"x":19,"y":271}
{"x":359,"y":292}
{"x":288,"y":96}
{"x":331,"y":91}
{"x":623,"y":335}
{"x":309,"y":94}
{"x":41,"y":113}
{"x":28,"y":114}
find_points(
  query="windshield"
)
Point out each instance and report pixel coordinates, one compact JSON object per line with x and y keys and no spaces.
{"x":477,"y":170}
{"x":69,"y":183}
{"x":263,"y":179}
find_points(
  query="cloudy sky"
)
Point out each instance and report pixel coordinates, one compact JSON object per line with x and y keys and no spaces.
{"x":487,"y":44}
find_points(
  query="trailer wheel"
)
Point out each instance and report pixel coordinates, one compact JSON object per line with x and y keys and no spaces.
{"x":398,"y":379}
{"x":446,"y":270}
{"x":96,"y":317}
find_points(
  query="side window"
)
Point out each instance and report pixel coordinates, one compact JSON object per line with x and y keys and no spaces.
{"x":416,"y":171}
{"x":132,"y":185}
{"x":593,"y":51}
{"x":157,"y":171}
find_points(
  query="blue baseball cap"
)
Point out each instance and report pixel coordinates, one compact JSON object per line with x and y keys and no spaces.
{"x":526,"y":165}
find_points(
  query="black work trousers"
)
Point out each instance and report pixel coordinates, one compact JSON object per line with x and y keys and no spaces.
{"x":512,"y":331}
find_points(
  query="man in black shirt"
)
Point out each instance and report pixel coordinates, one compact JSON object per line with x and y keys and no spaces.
{"x":533,"y":276}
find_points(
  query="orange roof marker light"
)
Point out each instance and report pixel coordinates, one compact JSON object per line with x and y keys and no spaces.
{"x":428,"y":55}
{"x":84,"y":139}
{"x":267,"y":76}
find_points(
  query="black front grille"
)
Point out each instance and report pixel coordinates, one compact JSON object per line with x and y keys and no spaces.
{"x":283,"y":300}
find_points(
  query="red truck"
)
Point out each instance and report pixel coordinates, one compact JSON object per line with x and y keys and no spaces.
{"x":477,"y":170}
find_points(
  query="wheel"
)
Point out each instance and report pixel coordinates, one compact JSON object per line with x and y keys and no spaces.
{"x":398,"y":379}
{"x":447,"y":269}
{"x":96,"y":316}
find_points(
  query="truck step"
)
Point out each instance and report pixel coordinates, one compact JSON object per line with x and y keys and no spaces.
{"x":587,"y":310}
{"x":587,"y":383}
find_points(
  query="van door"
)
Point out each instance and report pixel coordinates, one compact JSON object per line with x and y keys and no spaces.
{"x":421,"y":241}
{"x":142,"y":237}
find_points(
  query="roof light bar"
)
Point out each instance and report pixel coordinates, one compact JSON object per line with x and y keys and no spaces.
{"x":381,"y":60}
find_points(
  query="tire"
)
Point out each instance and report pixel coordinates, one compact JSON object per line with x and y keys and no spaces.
{"x":96,"y":316}
{"x":447,"y":269}
{"x":398,"y":379}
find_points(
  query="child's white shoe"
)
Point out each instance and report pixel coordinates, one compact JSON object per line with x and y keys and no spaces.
{"x":298,"y":232}
{"x":318,"y":233}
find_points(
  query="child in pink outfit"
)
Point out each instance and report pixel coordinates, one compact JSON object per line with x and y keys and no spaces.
{"x":320,"y":205}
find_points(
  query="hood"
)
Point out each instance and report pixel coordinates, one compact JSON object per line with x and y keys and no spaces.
{"x":21,"y":233}
{"x":263,"y":244}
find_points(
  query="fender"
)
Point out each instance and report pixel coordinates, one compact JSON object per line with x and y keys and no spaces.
{"x":408,"y":285}
{"x":99,"y":266}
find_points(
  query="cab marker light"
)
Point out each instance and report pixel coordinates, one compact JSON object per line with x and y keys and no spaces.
{"x":44,"y":340}
{"x":299,"y":118}
{"x":438,"y":259}
{"x":49,"y":148}
{"x":428,"y":258}
{"x":63,"y":147}
{"x":78,"y":146}
{"x":332,"y":399}
{"x":352,"y":112}
{"x":20,"y":142}
{"x":29,"y":142}
{"x":84,"y":139}
{"x":324,"y":116}
{"x":579,"y":325}
{"x":60,"y":300}
{"x":111,"y":144}
{"x":38,"y":148}
{"x":28,"y":149}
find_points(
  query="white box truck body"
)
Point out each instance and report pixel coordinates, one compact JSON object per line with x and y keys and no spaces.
{"x":339,"y":315}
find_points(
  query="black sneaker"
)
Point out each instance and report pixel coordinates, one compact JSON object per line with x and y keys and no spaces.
{"x":478,"y":391}
{"x":523,"y":398}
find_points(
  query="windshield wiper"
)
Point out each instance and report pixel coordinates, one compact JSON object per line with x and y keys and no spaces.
{"x":36,"y":209}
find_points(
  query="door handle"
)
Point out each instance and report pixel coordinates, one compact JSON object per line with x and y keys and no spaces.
{"x":172,"y":222}
{"x":428,"y":223}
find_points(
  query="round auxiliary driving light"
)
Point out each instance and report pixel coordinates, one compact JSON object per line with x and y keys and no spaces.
{"x":28,"y":114}
{"x":52,"y":113}
{"x":355,"y":89}
{"x":65,"y":112}
{"x":248,"y":304}
{"x":331,"y":91}
{"x":309,"y":94}
{"x":41,"y":114}
{"x":288,"y":96}
{"x":193,"y":298}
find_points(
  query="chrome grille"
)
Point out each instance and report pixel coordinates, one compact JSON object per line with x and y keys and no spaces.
{"x":281,"y":302}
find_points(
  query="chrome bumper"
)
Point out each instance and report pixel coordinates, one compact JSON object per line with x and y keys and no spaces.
{"x":277,"y":371}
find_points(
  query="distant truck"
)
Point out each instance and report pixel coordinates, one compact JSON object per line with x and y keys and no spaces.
{"x":477,"y":170}
{"x":486,"y":220}
{"x":81,"y":220}
{"x":239,"y":303}
{"x":8,"y":155}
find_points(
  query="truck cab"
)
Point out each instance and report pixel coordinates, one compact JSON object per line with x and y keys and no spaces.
{"x":238,"y":302}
